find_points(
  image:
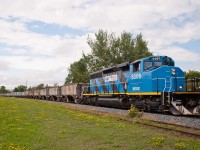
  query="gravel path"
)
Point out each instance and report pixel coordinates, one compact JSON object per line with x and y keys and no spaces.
{"x":193,"y":122}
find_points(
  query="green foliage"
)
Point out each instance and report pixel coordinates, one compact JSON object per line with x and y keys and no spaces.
{"x":192,"y":74}
{"x":133,"y":111}
{"x":3,"y":89}
{"x":78,"y":72}
{"x":107,"y":50}
{"x":20,"y":88}
{"x":40,"y":86}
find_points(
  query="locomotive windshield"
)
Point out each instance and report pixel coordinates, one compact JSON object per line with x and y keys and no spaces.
{"x":157,"y":64}
{"x":157,"y":61}
{"x":147,"y":65}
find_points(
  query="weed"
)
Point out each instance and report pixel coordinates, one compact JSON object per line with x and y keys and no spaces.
{"x":133,"y":111}
{"x":158,"y":141}
{"x":181,"y":145}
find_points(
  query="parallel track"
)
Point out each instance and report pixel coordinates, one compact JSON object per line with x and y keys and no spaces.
{"x":190,"y":134}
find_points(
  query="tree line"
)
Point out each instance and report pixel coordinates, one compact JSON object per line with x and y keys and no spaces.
{"x":22,"y":88}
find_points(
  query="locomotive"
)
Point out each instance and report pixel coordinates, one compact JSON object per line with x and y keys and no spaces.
{"x":150,"y":84}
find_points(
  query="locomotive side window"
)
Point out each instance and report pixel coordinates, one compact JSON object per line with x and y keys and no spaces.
{"x":147,"y":65}
{"x":136,"y":66}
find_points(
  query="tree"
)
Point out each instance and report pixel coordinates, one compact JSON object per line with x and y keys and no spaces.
{"x":20,"y":88}
{"x":107,"y":50}
{"x":140,"y":48}
{"x":3,"y":89}
{"x":40,"y":86}
{"x":77,"y":72}
{"x":192,"y":74}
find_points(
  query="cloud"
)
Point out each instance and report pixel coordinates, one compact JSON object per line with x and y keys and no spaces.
{"x":37,"y":57}
{"x":185,"y":59}
{"x":180,"y":54}
{"x":92,"y":15}
{"x":4,"y":65}
{"x":167,"y":34}
{"x":38,"y":46}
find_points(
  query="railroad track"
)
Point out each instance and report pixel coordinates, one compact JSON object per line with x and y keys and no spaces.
{"x":182,"y":132}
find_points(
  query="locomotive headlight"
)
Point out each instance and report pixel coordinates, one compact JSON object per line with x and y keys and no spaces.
{"x":173,"y":71}
{"x":180,"y":87}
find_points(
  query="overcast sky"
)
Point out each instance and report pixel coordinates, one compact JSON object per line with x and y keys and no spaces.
{"x":40,"y":38}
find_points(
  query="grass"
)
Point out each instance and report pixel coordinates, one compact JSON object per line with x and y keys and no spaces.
{"x":170,"y":126}
{"x":32,"y":124}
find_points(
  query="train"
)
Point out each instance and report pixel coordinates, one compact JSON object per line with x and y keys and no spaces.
{"x":152,"y":84}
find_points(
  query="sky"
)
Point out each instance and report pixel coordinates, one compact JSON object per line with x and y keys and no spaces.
{"x":39,"y":39}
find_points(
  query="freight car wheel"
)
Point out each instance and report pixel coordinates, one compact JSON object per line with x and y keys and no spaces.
{"x":64,"y":99}
{"x":51,"y":98}
{"x":67,"y":99}
{"x":77,"y":100}
{"x":59,"y":99}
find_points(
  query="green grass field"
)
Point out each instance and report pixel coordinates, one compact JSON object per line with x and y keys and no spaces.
{"x":32,"y":124}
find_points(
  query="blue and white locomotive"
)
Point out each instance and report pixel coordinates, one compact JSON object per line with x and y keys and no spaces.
{"x":151,"y":84}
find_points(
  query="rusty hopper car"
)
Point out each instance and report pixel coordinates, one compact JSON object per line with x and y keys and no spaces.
{"x":53,"y":93}
{"x":44,"y":93}
{"x":71,"y":92}
{"x":36,"y":94}
{"x":30,"y":94}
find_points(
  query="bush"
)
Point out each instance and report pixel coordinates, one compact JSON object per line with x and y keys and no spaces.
{"x":133,"y":111}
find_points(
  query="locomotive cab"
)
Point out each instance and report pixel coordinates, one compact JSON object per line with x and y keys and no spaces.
{"x":155,"y":83}
{"x":151,"y":63}
{"x":145,"y":72}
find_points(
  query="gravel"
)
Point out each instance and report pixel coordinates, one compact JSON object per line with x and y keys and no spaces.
{"x":188,"y":121}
